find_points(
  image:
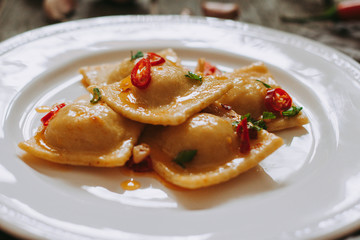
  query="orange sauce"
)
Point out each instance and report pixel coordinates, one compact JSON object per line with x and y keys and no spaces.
{"x":125,"y":84}
{"x":130,"y":184}
{"x":128,"y":172}
{"x":40,"y":139}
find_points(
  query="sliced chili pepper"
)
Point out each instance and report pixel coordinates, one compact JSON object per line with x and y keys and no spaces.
{"x":50,"y":115}
{"x":155,"y":59}
{"x":277,"y":100}
{"x":348,"y":10}
{"x":143,"y":166}
{"x":344,"y":10}
{"x":210,"y":69}
{"x":243,"y":132}
{"x":141,"y":74}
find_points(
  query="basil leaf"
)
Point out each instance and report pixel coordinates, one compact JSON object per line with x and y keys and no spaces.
{"x":194,"y":76}
{"x":139,"y":54}
{"x":265,"y":84}
{"x":96,"y":96}
{"x":184,"y":157}
{"x":269,"y":115}
{"x":293,"y":111}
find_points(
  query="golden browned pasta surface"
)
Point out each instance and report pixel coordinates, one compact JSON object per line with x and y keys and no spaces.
{"x":149,"y":112}
{"x":85,"y":134}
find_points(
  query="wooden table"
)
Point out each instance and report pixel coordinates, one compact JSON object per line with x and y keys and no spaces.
{"x":17,"y":16}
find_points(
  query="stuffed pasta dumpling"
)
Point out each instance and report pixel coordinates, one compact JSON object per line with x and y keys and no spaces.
{"x":85,"y":134}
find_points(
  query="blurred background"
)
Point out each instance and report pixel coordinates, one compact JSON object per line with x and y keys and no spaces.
{"x":325,"y":21}
{"x":17,"y":16}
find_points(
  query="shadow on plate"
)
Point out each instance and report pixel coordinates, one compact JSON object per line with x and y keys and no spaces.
{"x":271,"y":174}
{"x":109,"y":180}
{"x":253,"y":182}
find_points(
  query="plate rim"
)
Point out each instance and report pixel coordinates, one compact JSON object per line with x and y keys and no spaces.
{"x":321,"y":50}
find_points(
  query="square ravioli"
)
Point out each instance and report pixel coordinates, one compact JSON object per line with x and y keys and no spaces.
{"x":114,"y":72}
{"x":150,"y":113}
{"x":170,"y":98}
{"x":204,"y":151}
{"x":85,"y":134}
{"x":256,"y":94}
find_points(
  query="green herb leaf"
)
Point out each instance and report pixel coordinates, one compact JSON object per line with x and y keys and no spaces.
{"x":253,"y":126}
{"x":265,"y":84}
{"x":235,"y":124}
{"x":139,"y":54}
{"x":184,"y":157}
{"x":258,"y":124}
{"x":269,"y":115}
{"x":293,"y":111}
{"x":247,"y":116}
{"x":194,"y":76}
{"x":96,"y":96}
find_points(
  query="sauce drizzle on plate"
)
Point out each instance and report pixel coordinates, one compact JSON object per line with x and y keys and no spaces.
{"x":130,"y":185}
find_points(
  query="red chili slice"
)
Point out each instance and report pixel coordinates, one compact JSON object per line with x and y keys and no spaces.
{"x":348,"y":10}
{"x":141,"y":73}
{"x":143,"y":166}
{"x":155,"y":59}
{"x":50,"y":115}
{"x":243,"y":132}
{"x":277,"y":100}
{"x":210,"y":69}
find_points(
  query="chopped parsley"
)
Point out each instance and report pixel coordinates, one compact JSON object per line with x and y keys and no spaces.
{"x":269,"y":115}
{"x":265,"y":84}
{"x":248,"y":117}
{"x":256,"y":124}
{"x":293,"y":111}
{"x":235,"y":124}
{"x":184,"y":157}
{"x":96,"y":96}
{"x":194,"y":76}
{"x":260,"y":124}
{"x":139,"y":54}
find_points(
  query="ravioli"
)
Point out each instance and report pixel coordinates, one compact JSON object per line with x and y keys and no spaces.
{"x":170,"y":98}
{"x":218,"y":157}
{"x":85,"y":134}
{"x":196,"y":115}
{"x":248,"y":94}
{"x":114,"y":72}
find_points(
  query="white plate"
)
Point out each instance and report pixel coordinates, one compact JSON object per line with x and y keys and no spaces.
{"x":309,"y":188}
